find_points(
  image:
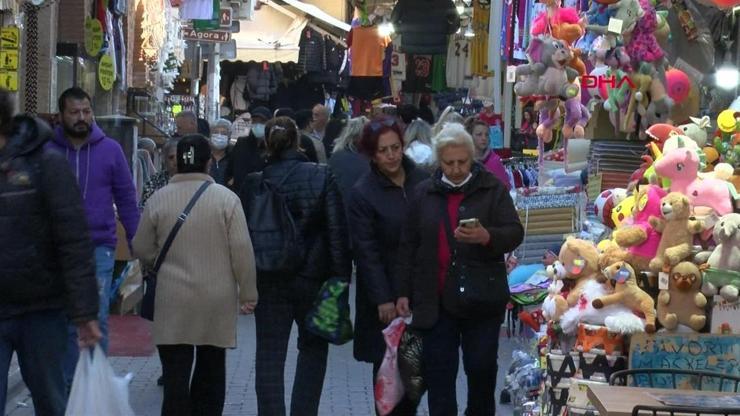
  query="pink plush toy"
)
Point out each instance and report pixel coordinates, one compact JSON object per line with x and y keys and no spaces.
{"x":681,"y":166}
{"x":640,"y":237}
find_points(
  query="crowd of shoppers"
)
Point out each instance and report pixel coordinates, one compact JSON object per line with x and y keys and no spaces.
{"x":386,"y":195}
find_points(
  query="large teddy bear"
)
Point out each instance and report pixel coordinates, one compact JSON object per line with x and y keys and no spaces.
{"x":677,"y":231}
{"x":621,"y":278}
{"x":683,"y":303}
{"x":547,"y":74}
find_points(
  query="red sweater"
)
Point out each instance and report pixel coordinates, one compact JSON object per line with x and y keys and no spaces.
{"x":443,"y":247}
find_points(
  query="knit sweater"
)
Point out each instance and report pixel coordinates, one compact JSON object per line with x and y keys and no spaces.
{"x":209,"y":269}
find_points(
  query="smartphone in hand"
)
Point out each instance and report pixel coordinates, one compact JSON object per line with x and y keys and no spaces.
{"x":469,"y":223}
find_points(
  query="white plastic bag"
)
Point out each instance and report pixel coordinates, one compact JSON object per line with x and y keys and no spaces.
{"x":388,"y":386}
{"x":96,"y":390}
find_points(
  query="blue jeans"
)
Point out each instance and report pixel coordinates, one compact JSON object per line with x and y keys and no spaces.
{"x":39,"y":340}
{"x":104,"y":262}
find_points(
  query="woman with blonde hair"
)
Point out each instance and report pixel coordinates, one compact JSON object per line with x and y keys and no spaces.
{"x":449,"y":115}
{"x":418,"y":141}
{"x":346,"y":161}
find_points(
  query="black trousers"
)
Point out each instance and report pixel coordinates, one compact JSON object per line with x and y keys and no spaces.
{"x":405,"y":407}
{"x":204,"y":395}
{"x":479,"y":341}
{"x":278,"y":308}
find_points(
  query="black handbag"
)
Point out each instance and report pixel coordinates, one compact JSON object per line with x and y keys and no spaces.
{"x":150,"y":279}
{"x":478,"y":288}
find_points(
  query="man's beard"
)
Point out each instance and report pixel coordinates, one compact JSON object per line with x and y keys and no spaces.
{"x":77,"y":134}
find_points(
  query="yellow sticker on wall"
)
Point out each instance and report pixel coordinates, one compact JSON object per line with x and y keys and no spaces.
{"x":9,"y":80}
{"x":106,"y":74}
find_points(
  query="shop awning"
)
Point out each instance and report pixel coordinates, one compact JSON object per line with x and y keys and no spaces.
{"x":271,"y":36}
{"x":314,"y":11}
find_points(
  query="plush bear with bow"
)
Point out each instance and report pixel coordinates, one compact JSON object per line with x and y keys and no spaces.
{"x":578,"y":263}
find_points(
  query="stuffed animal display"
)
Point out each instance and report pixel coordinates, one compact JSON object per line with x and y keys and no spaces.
{"x":683,"y":303}
{"x":578,"y":263}
{"x":677,"y":231}
{"x":621,"y":278}
{"x":640,"y":238}
{"x":547,"y":74}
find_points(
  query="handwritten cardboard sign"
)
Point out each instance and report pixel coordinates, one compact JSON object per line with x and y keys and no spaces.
{"x":686,"y":351}
{"x":725,"y":316}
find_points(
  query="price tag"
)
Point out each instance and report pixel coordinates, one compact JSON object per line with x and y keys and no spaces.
{"x":615,"y":26}
{"x":511,"y":74}
{"x":663,"y":280}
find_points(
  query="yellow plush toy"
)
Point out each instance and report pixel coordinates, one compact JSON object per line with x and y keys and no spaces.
{"x":620,"y":277}
{"x":677,"y":231}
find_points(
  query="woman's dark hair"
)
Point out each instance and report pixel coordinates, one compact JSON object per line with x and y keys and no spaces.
{"x":303,"y":118}
{"x":7,"y":110}
{"x":408,"y":113}
{"x":193,"y":154}
{"x":282,"y":135}
{"x":334,"y":128}
{"x":473,"y":121}
{"x":203,"y":127}
{"x":285,"y":112}
{"x":368,"y":144}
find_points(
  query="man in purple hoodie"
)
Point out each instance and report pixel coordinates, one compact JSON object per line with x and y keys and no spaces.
{"x":105,"y":179}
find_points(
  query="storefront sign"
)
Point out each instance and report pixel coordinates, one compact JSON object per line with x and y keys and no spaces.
{"x":9,"y":80}
{"x":225,"y":17}
{"x":687,"y":351}
{"x":8,"y":59}
{"x":217,"y":36}
{"x":106,"y":73}
{"x":10,"y":37}
{"x":93,"y":36}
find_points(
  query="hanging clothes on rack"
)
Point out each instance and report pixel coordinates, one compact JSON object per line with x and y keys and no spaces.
{"x":458,"y":69}
{"x":367,"y":47}
{"x":479,"y":44}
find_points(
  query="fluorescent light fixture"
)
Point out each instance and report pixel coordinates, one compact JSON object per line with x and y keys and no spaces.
{"x":386,"y":29}
{"x":469,"y":32}
{"x":727,"y":77}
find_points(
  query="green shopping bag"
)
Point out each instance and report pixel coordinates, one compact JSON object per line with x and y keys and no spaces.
{"x":329,"y":316}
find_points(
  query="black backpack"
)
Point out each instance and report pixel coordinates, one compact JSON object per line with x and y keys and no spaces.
{"x":277,"y":242}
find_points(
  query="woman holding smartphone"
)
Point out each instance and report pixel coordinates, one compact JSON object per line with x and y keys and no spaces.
{"x":460,"y":223}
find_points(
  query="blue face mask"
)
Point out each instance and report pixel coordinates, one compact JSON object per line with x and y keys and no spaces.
{"x":258,"y":130}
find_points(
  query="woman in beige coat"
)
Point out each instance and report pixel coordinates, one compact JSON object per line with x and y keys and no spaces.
{"x":207,"y":274}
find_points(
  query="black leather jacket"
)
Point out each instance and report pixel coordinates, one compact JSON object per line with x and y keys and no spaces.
{"x":46,"y":255}
{"x":314,"y":200}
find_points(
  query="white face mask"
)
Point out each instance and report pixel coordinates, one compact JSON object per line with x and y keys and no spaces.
{"x":219,"y":141}
{"x":258,"y":130}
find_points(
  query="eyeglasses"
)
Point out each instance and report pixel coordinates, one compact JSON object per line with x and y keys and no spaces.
{"x":379,"y":124}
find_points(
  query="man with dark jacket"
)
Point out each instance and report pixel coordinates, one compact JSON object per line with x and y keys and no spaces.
{"x":104,"y":177}
{"x":46,"y":261}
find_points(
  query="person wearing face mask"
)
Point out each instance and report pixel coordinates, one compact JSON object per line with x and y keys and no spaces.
{"x":451,"y":272}
{"x":220,"y":155}
{"x":241,"y":127}
{"x":248,"y":154}
{"x":377,"y":205}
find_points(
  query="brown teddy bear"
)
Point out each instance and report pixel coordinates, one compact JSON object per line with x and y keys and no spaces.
{"x":580,"y":259}
{"x":677,"y":230}
{"x":683,"y":302}
{"x":620,"y":277}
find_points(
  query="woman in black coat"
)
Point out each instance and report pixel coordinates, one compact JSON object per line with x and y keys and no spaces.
{"x":377,"y":207}
{"x":312,"y":197}
{"x":434,"y":263}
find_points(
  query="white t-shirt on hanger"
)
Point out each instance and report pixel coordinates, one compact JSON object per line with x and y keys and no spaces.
{"x":458,"y":61}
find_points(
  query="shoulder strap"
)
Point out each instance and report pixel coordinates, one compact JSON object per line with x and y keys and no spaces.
{"x":448,"y":228}
{"x":175,"y":228}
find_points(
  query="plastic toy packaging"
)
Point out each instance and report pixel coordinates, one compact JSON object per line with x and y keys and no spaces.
{"x":522,"y":380}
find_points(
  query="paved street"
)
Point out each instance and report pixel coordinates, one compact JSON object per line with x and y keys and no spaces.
{"x":347,"y":388}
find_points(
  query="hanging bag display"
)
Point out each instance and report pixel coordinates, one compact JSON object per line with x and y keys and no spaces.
{"x":480,"y":289}
{"x":147,"y":303}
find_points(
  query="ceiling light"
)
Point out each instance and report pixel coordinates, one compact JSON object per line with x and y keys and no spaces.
{"x":460,"y":7}
{"x":727,"y":77}
{"x":386,"y":29}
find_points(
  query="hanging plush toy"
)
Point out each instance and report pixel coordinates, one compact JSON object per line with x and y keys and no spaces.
{"x":639,"y":99}
{"x":621,"y":278}
{"x":642,"y":45}
{"x":548,"y":120}
{"x":547,"y":74}
{"x":576,"y":118}
{"x":597,"y":15}
{"x":562,"y":23}
{"x":683,"y":303}
{"x":629,"y":12}
{"x":677,"y":231}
